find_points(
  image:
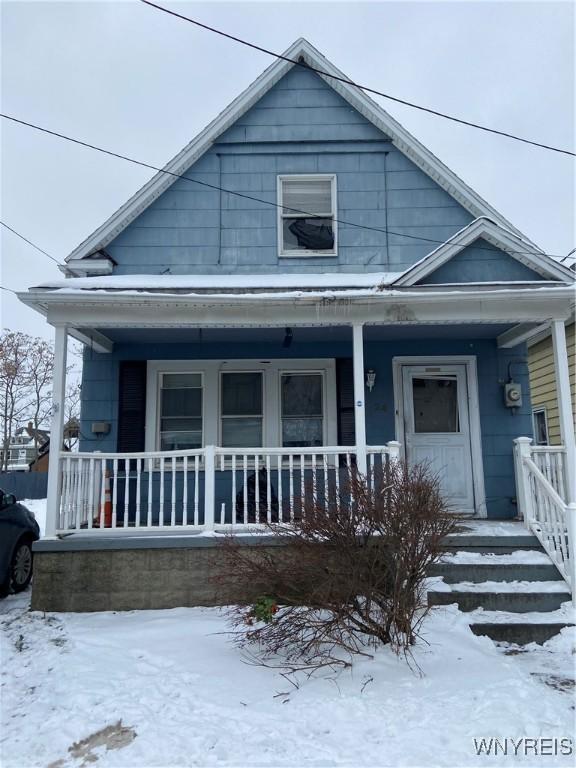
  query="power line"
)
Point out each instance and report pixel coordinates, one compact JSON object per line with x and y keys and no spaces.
{"x":29,"y":242}
{"x":240,"y":194}
{"x":365,"y":88}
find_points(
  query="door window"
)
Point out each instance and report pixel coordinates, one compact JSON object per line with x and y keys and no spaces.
{"x":435,"y":403}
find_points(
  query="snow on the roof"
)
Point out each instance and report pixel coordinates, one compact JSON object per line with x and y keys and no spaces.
{"x":226,"y":282}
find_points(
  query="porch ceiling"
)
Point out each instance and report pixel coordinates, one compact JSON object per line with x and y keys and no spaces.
{"x":301,"y":334}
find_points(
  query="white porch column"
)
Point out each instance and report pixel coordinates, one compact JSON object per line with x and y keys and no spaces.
{"x":359,"y":407}
{"x":57,"y":429}
{"x":565,"y":405}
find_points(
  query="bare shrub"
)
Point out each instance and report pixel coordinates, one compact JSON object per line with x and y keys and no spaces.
{"x":345,"y":581}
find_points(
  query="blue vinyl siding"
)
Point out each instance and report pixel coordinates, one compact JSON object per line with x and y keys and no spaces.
{"x":499,"y":425}
{"x":300,"y":126}
{"x":481,"y":262}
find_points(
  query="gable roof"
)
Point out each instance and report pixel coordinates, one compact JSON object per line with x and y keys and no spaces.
{"x":302,"y":51}
{"x":496,"y":235}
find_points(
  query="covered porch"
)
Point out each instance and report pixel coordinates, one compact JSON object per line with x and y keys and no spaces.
{"x":427,"y":373}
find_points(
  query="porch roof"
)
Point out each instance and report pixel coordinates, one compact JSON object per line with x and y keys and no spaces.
{"x":84,"y":305}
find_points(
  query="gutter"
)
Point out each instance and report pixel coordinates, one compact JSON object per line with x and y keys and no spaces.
{"x":371,"y":296}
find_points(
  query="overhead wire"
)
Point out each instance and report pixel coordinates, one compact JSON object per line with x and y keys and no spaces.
{"x":244,"y":195}
{"x":365,"y":88}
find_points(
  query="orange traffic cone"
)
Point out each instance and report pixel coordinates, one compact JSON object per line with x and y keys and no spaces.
{"x":105,"y":512}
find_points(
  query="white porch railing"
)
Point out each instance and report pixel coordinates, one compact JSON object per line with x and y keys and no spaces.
{"x":541,"y":482}
{"x":207,"y":489}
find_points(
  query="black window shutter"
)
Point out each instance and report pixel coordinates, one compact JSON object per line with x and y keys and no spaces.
{"x":132,"y":406}
{"x":345,"y":400}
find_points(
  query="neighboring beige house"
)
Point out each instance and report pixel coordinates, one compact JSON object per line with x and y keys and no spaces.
{"x":543,"y":385}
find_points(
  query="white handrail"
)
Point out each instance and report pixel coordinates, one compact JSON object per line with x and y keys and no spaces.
{"x":143,"y":491}
{"x":545,"y":483}
{"x":541,"y":502}
{"x":133,"y":455}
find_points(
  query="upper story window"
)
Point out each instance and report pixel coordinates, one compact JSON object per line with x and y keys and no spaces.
{"x":313,"y":231}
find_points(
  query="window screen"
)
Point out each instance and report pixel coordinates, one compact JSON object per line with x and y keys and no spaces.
{"x":180,"y":411}
{"x":301,"y":231}
{"x":302,"y":410}
{"x":540,"y":427}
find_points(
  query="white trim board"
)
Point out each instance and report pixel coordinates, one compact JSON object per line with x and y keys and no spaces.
{"x":473,"y":409}
{"x":87,"y":310}
{"x":300,"y":49}
{"x":211,"y":370}
{"x":501,"y":238}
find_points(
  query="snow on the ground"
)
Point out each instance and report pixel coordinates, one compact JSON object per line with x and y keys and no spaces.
{"x":563,"y":615}
{"x":437,"y":584}
{"x":38,"y":507}
{"x":473,"y":527}
{"x":186,"y":698}
{"x":518,"y":557}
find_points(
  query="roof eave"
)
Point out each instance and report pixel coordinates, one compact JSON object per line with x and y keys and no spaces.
{"x":485,"y":228}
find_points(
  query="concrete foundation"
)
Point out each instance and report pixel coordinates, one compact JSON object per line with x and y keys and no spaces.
{"x":138,"y":573}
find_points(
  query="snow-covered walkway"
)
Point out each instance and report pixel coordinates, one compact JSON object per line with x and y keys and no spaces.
{"x":185,"y":697}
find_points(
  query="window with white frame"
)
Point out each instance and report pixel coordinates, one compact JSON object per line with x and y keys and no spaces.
{"x":241,"y":409}
{"x":540,"y":425}
{"x":180,"y":411}
{"x":241,"y":404}
{"x":307,"y":215}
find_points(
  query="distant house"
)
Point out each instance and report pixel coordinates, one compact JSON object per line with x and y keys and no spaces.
{"x":543,"y":389}
{"x":41,"y":461}
{"x":24,"y":446}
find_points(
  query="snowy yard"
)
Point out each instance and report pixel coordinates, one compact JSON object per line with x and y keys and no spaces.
{"x":185,"y":697}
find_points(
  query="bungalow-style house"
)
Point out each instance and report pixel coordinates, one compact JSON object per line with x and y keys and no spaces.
{"x":304,"y":288}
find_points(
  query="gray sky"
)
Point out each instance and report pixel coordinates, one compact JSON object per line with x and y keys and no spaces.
{"x":131,"y":79}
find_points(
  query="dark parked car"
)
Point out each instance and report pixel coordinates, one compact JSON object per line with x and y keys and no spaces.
{"x":18,"y":529}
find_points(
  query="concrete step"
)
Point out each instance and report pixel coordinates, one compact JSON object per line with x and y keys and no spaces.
{"x":493,"y":571}
{"x":517,"y":602}
{"x":519,"y":633}
{"x":491,"y":544}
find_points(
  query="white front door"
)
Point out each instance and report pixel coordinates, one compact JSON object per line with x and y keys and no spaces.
{"x":437,"y":428}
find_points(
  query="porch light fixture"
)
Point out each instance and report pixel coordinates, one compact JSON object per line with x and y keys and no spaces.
{"x":370,"y":379}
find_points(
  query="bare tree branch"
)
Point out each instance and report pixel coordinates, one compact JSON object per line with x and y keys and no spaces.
{"x":351,"y":577}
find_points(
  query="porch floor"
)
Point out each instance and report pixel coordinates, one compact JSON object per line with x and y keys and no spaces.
{"x":168,"y":539}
